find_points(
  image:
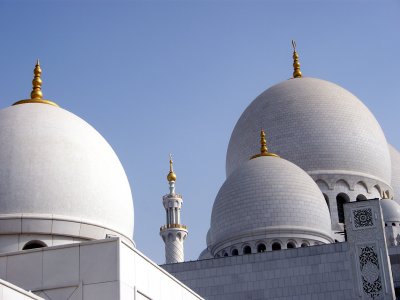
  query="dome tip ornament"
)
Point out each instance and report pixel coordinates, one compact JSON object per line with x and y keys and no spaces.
{"x":264,"y":148}
{"x":171,"y":175}
{"x":36,"y":94}
{"x":37,"y":82}
{"x":296,"y":64}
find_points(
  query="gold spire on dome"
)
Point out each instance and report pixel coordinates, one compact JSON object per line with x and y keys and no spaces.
{"x":264,"y":149}
{"x":171,"y":175}
{"x":36,"y":94}
{"x":296,"y":63}
{"x":37,"y":83}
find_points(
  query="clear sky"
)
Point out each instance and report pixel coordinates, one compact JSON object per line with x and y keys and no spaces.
{"x":155,"y":77}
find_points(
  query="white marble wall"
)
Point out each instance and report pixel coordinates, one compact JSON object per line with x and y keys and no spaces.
{"x":98,"y":270}
{"x":9,"y":291}
{"x":141,"y":276}
{"x":318,"y":272}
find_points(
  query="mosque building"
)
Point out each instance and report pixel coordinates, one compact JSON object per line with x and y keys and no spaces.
{"x":309,"y":208}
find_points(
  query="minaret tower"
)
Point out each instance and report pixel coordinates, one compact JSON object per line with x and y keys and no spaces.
{"x":173,"y":232}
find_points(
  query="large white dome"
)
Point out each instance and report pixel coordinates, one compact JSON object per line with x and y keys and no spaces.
{"x":395,"y":157}
{"x":315,"y":124}
{"x":266,"y":198}
{"x":56,"y":167}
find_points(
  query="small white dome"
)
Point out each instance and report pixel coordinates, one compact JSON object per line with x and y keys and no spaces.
{"x":269,"y":196}
{"x":395,"y":157}
{"x":315,"y":124}
{"x":54,"y":165}
{"x":390,"y":210}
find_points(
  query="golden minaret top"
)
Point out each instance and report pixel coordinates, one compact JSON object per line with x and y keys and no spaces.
{"x":296,"y":63}
{"x":171,"y":175}
{"x":264,"y":149}
{"x":36,"y":94}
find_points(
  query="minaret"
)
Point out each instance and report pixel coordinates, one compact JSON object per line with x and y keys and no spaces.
{"x":173,"y":232}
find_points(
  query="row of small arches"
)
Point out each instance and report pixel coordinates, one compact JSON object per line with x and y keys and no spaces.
{"x":260,"y":248}
{"x":341,"y":182}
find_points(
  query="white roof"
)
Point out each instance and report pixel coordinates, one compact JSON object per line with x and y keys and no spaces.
{"x":268,"y":193}
{"x":315,"y":124}
{"x":53,"y":162}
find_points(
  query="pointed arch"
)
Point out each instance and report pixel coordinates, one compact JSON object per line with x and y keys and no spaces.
{"x":322,"y":184}
{"x":363,"y":185}
{"x":378,"y":189}
{"x":343,"y":183}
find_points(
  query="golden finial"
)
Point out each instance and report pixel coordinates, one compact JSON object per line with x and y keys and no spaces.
{"x":171,"y":175}
{"x":36,"y":94}
{"x":37,"y":82}
{"x":264,"y":148}
{"x":296,"y":63}
{"x":263,"y":142}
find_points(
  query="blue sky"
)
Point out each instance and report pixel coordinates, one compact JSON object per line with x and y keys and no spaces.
{"x":155,"y":77}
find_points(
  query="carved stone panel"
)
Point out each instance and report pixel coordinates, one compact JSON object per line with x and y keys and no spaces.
{"x":370,"y":272}
{"x":362,"y":218}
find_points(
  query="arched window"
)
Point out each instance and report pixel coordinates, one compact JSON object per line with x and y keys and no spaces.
{"x":393,"y":224}
{"x":303,"y":245}
{"x":327,"y":201}
{"x":261,"y":248}
{"x":170,"y":237}
{"x":341,"y":199}
{"x":361,"y":197}
{"x":225,"y":254}
{"x":291,"y":245}
{"x":276,"y":246}
{"x":246,"y":250}
{"x":33,"y":245}
{"x":235,"y":252}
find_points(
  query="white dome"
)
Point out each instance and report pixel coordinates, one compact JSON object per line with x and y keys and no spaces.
{"x":269,"y":196}
{"x":55,"y":166}
{"x":395,"y":157}
{"x":390,"y":210}
{"x":315,"y":124}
